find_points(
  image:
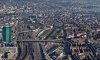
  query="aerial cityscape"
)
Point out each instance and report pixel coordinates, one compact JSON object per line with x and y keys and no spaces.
{"x":49,"y":29}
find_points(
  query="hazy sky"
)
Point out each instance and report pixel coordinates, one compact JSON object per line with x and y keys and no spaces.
{"x":84,"y":4}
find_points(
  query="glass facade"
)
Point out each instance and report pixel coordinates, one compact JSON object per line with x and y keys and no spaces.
{"x":7,"y":32}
